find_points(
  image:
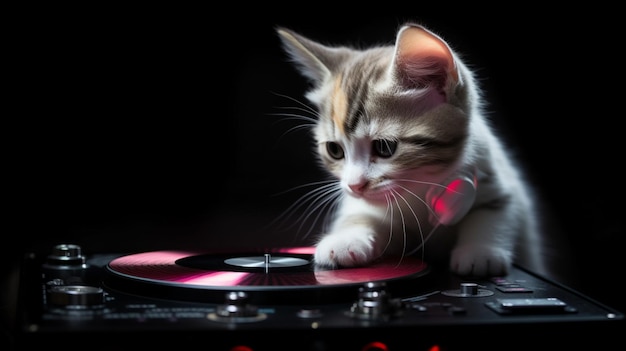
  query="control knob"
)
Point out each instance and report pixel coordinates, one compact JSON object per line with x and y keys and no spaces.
{"x":375,"y":303}
{"x":236,"y":309}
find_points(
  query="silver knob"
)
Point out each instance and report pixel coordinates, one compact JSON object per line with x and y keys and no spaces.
{"x":76,"y":295}
{"x":468,"y":290}
{"x":66,"y":262}
{"x":236,"y":306}
{"x":66,"y":255}
{"x":236,"y":309}
{"x":375,"y":303}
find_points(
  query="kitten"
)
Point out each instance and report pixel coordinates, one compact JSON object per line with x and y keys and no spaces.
{"x":395,"y":124}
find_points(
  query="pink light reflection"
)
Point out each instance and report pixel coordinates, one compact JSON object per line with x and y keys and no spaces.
{"x":305,"y":250}
{"x":443,"y":203}
{"x":217,"y":279}
{"x":161,"y":265}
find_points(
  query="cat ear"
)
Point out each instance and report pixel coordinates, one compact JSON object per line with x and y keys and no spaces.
{"x":423,"y":59}
{"x":314,"y":60}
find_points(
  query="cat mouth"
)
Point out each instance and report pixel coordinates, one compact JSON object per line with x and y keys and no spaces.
{"x":379,"y":194}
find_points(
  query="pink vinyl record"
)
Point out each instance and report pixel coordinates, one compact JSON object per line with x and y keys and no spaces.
{"x":281,"y":268}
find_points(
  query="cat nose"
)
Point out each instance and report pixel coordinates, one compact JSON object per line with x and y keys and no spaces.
{"x":358,"y":187}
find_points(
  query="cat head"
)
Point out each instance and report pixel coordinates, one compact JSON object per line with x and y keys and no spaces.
{"x":387,"y":115}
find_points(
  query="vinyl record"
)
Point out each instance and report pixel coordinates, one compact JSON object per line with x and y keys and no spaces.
{"x":280,"y":274}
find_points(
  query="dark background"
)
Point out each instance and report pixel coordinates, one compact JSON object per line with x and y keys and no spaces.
{"x":132,"y":130}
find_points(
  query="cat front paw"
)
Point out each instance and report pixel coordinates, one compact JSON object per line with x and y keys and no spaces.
{"x":345,"y":250}
{"x":474,"y":260}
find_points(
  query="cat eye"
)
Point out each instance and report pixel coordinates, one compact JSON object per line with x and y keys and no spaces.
{"x":334,"y":150}
{"x":384,"y":148}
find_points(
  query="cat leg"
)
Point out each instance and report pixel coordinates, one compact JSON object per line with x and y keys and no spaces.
{"x":486,"y":242}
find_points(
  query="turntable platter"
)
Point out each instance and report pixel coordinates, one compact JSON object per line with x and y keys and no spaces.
{"x":276,"y":274}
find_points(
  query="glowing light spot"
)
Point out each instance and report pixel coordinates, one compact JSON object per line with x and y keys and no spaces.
{"x":454,"y":201}
{"x":446,"y":201}
{"x":241,"y":348}
{"x":375,"y":346}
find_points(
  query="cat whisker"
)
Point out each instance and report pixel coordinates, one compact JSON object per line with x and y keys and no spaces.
{"x":428,"y":183}
{"x":324,"y":197}
{"x":423,"y":239}
{"x":417,"y":220}
{"x":309,"y":122}
{"x":328,"y":183}
{"x":420,"y":182}
{"x":304,"y":107}
{"x":428,"y":206}
{"x":302,"y":113}
{"x":324,"y":202}
{"x":389,"y":212}
{"x":395,"y":195}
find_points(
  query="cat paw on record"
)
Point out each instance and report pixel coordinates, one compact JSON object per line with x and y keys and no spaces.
{"x":400,"y":119}
{"x":349,"y":248}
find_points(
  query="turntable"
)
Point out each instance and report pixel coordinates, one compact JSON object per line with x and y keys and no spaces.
{"x":275,"y":299}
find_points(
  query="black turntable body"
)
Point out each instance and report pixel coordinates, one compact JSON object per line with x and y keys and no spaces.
{"x":276,"y":300}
